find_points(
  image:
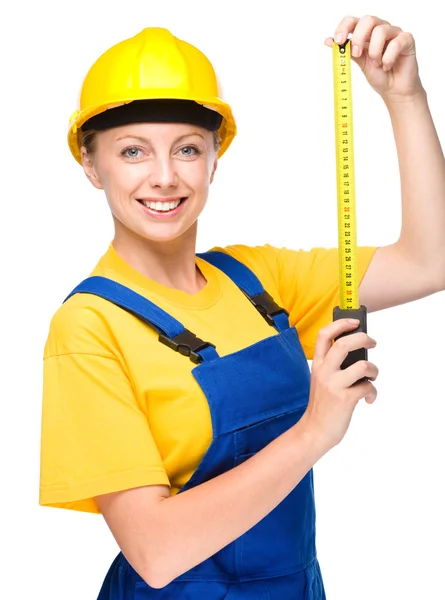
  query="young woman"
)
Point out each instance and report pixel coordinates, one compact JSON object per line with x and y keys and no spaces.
{"x":178,"y":402}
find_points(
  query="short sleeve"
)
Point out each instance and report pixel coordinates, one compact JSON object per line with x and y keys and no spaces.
{"x":309,"y":288}
{"x":304,"y":282}
{"x":95,"y":437}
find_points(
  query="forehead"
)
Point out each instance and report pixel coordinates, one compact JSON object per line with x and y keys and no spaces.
{"x":157,"y":131}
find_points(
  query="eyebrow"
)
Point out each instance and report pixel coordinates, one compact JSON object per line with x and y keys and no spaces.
{"x":146,"y":140}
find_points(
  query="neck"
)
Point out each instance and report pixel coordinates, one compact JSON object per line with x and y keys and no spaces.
{"x":172,"y":264}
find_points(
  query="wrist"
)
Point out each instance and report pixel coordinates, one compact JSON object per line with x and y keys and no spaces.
{"x":313,"y":441}
{"x":402,"y":102}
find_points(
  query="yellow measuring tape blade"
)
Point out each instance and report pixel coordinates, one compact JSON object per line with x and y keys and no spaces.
{"x":346,"y":207}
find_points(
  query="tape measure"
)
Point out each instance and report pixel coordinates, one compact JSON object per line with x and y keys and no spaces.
{"x":346,"y":205}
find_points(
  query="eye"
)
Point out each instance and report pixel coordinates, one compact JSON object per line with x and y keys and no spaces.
{"x":189,"y":151}
{"x":132,"y":152}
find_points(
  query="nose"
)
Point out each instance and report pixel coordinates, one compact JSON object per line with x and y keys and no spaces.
{"x":163,"y":173}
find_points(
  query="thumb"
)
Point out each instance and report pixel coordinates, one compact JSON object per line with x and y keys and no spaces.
{"x":359,"y":60}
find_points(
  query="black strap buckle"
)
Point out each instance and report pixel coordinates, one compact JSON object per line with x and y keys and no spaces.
{"x":187,"y":344}
{"x":266,"y":305}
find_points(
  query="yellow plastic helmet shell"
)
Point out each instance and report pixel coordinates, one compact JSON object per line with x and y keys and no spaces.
{"x":151,"y":65}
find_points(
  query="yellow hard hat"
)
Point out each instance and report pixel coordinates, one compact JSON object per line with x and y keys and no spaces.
{"x":151,"y":65}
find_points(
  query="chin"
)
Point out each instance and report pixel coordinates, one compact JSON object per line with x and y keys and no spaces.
{"x":159,"y":233}
{"x":164,"y":235}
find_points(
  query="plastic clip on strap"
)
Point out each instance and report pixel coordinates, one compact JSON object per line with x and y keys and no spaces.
{"x":171,"y":332}
{"x":251,"y":286}
{"x":187,"y":344}
{"x":267,"y":307}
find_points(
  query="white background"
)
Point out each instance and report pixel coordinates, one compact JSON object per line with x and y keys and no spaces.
{"x":380,"y":495}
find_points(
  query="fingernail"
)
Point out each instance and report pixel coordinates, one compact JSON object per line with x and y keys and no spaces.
{"x":355,"y":51}
{"x":374,"y":341}
{"x":354,"y":321}
{"x":338,"y":38}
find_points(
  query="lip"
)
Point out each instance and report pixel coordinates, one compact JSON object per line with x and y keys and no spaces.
{"x":159,"y":215}
{"x":168,"y":199}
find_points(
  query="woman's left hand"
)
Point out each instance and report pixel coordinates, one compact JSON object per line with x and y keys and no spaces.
{"x":385,"y":54}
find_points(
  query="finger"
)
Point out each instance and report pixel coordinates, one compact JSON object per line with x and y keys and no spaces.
{"x":362,"y":390}
{"x":370,"y":399}
{"x":381,"y":36}
{"x":345,"y":27}
{"x":325,"y":336}
{"x":402,"y":45}
{"x":341,"y":348}
{"x":360,"y":369}
{"x":362,"y":33}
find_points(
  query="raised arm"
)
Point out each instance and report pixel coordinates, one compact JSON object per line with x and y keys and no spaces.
{"x":414,"y":265}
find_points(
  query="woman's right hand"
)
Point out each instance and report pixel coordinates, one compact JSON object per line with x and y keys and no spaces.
{"x":333,"y":397}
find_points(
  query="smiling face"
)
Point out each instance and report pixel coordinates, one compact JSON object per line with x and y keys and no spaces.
{"x":156,"y":177}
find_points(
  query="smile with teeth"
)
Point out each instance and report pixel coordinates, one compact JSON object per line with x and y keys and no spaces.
{"x":162,"y":206}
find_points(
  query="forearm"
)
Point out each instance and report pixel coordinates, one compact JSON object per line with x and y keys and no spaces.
{"x":422,"y":177}
{"x":192,"y":526}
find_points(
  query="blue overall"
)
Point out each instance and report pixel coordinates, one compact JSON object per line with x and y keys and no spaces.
{"x":254,"y":395}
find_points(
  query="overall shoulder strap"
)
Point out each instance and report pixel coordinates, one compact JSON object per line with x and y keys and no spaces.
{"x":171,"y":332}
{"x":249,"y":283}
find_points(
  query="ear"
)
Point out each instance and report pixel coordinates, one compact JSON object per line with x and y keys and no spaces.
{"x":215,"y":166}
{"x":88,"y":167}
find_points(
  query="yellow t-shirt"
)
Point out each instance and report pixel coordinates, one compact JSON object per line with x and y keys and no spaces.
{"x":120,"y":409}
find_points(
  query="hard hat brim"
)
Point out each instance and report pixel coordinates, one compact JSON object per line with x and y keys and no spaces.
{"x":227,"y":130}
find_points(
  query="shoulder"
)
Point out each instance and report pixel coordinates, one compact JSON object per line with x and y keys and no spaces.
{"x":278,"y":264}
{"x":262,"y":260}
{"x":81,"y":325}
{"x":247,"y":253}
